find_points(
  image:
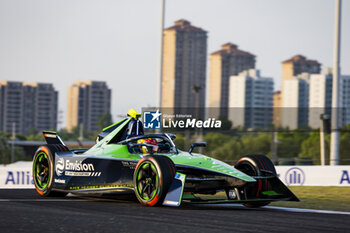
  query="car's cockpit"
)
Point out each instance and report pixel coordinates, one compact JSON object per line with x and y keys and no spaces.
{"x":150,"y":144}
{"x":132,"y":135}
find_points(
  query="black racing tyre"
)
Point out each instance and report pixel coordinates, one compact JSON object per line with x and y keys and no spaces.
{"x":43,"y":169}
{"x":153,"y":177}
{"x":256,"y":165}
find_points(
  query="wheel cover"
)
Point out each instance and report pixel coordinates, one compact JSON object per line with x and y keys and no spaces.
{"x":247,"y":168}
{"x":147,"y":181}
{"x":41,"y":170}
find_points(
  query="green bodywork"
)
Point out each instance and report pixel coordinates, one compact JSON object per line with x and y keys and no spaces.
{"x":114,"y":150}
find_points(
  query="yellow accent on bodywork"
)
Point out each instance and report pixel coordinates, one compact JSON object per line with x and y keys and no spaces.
{"x":112,"y":125}
{"x":134,"y":114}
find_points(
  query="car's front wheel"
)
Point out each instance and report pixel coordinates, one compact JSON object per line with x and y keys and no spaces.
{"x":256,"y":165}
{"x":152,"y":178}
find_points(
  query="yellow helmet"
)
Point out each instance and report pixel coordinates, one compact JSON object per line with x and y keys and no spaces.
{"x":148,"y":141}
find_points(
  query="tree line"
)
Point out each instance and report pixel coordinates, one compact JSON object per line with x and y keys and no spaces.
{"x":227,"y":145}
{"x":293,"y":146}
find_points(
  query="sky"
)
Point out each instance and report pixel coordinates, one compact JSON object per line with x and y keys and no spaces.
{"x":118,"y":41}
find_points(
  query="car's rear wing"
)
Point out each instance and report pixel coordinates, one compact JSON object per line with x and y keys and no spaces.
{"x":51,"y":137}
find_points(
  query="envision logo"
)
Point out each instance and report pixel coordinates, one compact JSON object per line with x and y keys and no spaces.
{"x":79,"y":166}
{"x":76,"y":168}
{"x":295,"y":176}
{"x":59,"y":166}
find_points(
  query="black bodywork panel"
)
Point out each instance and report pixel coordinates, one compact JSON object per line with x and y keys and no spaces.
{"x":73,"y":172}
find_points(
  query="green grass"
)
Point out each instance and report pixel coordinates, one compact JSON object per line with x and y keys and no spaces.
{"x":321,"y":198}
{"x":311,"y":197}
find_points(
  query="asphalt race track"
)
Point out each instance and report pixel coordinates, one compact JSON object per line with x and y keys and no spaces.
{"x":25,"y":211}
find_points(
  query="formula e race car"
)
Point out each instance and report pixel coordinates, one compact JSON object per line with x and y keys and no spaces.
{"x":153,"y":169}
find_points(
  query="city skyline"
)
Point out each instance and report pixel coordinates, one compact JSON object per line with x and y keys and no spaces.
{"x":63,"y":41}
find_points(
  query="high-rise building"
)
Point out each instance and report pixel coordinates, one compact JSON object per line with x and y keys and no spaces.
{"x":28,"y":105}
{"x":291,"y":68}
{"x":297,"y":65}
{"x":40,"y":106}
{"x":11,"y":110}
{"x":87,"y":101}
{"x":320,"y":98}
{"x":184,"y":66}
{"x":345,"y":99}
{"x":277,"y":108}
{"x":224,"y":63}
{"x":295,"y":102}
{"x":250,"y":100}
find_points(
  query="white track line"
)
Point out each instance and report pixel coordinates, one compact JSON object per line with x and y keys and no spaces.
{"x":307,"y":210}
{"x":45,"y":200}
{"x":296,"y":210}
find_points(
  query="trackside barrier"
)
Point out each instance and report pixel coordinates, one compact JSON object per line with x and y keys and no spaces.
{"x":16,"y":175}
{"x":314,"y":175}
{"x":19,"y":175}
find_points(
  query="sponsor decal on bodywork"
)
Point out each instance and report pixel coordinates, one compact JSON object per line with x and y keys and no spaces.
{"x":101,"y":186}
{"x":131,"y":165}
{"x":74,"y":167}
{"x":59,"y":166}
{"x":60,"y":181}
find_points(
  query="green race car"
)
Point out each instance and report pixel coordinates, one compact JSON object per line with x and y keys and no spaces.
{"x":125,"y":160}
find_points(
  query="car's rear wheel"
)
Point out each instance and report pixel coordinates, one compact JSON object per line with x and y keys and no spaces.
{"x":152,"y":179}
{"x":43,"y":169}
{"x":256,"y":165}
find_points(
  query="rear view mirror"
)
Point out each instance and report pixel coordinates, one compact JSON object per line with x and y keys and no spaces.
{"x":197,"y":144}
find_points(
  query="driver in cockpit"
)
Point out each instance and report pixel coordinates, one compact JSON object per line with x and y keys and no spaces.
{"x":150,"y":142}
